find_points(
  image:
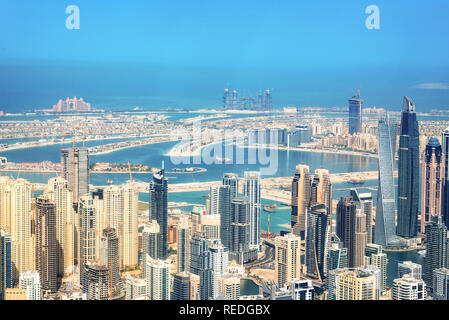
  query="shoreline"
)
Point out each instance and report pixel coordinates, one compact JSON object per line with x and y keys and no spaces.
{"x":127,"y":147}
{"x":68,"y":141}
{"x":304,"y":149}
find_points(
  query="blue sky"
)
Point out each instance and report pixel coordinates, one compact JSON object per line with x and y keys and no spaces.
{"x":271,"y":36}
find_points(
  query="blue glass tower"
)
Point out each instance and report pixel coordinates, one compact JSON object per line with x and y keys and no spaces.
{"x":5,"y":263}
{"x":159,"y":210}
{"x":355,"y":114}
{"x":386,"y":201}
{"x":445,"y":195}
{"x":408,"y":172}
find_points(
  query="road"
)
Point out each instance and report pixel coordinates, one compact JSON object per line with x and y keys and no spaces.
{"x":267,"y":258}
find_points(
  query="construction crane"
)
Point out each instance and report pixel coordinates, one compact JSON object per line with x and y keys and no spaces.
{"x":110,"y":280}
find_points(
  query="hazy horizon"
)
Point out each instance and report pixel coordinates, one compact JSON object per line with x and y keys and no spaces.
{"x":182,"y":54}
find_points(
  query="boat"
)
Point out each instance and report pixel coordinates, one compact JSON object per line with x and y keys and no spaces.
{"x":268,"y":208}
{"x":206,"y":195}
{"x":110,"y":181}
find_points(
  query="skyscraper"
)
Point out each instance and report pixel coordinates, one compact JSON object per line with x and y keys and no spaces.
{"x":219,"y":258}
{"x":226,"y":99}
{"x":408,"y":172}
{"x":109,"y":257}
{"x":135,"y":288}
{"x":252,"y":192}
{"x":357,"y":252}
{"x":337,"y":256}
{"x":30,"y":281}
{"x":231,"y":180}
{"x":75,"y":169}
{"x":200,"y":263}
{"x":287,"y":261}
{"x":440,"y":284}
{"x":352,"y":284}
{"x":46,"y":244}
{"x":318,"y":230}
{"x":181,"y":286}
{"x":321,"y":190}
{"x":159,"y":210}
{"x":220,"y":205}
{"x":97,"y":282}
{"x":120,"y":212}
{"x":374,"y":256}
{"x":61,"y":195}
{"x":267,"y":100}
{"x":386,"y":200}
{"x":22,"y":237}
{"x":364,"y":202}
{"x":158,"y":279}
{"x":300,"y":199}
{"x":432,"y":177}
{"x":88,"y":237}
{"x":346,"y":211}
{"x":229,"y":286}
{"x":150,"y":238}
{"x":436,"y":249}
{"x":445,"y":195}
{"x":183,"y":245}
{"x":240,"y":230}
{"x":411,"y":268}
{"x":5,"y":263}
{"x":408,"y":288}
{"x":355,"y":114}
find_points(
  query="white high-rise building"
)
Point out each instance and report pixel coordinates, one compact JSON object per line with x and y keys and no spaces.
{"x":411,"y":268}
{"x":408,"y":288}
{"x":135,"y":288}
{"x":59,"y":192}
{"x":219,"y":256}
{"x":158,"y":278}
{"x":120,"y":209}
{"x":22,"y":238}
{"x":252,"y":192}
{"x":30,"y":282}
{"x":302,"y":289}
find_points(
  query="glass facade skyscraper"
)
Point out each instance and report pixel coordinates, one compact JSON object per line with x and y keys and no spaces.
{"x":220,"y":204}
{"x":445,"y":195}
{"x":252,"y":192}
{"x":159,"y":210}
{"x":355,"y":114}
{"x":408,"y":172}
{"x":200,"y":263}
{"x":5,"y":262}
{"x":386,"y":201}
{"x":436,"y":248}
{"x":317,"y":240}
